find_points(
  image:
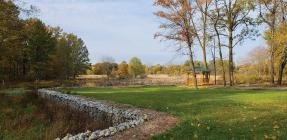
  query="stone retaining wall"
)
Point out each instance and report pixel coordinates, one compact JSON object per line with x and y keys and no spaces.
{"x":121,"y":118}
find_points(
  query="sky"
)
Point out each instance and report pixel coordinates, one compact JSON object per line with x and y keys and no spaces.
{"x":120,"y":29}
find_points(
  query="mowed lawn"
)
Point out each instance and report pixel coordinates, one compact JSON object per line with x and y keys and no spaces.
{"x":208,"y":113}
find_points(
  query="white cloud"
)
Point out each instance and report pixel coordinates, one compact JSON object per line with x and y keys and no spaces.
{"x":118,"y":28}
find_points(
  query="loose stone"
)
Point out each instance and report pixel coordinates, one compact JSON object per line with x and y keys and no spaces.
{"x":122,"y":119}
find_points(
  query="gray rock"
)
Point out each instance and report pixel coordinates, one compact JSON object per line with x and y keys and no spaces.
{"x":121,"y":127}
{"x":88,"y":133}
{"x":101,"y":133}
{"x":121,"y":118}
{"x":93,"y":136}
{"x":112,"y":129}
{"x":66,"y":137}
{"x":145,"y":117}
{"x":106,"y":132}
{"x":83,"y":136}
{"x":113,"y":133}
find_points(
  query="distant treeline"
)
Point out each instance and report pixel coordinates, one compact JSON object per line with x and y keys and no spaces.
{"x":135,"y":68}
{"x":251,"y":70}
{"x":31,"y":50}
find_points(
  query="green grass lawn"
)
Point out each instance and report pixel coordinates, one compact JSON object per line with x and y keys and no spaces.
{"x":208,"y":113}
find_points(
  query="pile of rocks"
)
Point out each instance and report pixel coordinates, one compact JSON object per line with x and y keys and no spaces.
{"x":121,"y":119}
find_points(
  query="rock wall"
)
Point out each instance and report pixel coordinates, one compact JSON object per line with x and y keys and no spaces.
{"x":121,"y":119}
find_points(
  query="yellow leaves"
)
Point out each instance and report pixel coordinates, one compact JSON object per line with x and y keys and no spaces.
{"x":7,"y":110}
{"x":273,"y":135}
{"x":270,"y":137}
{"x":191,"y":124}
{"x":281,"y":34}
{"x":264,"y":1}
{"x":276,"y":126}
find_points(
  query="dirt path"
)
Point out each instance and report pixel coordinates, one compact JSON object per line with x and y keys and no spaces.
{"x":156,"y":123}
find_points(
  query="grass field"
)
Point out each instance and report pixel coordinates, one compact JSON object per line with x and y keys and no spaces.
{"x":208,"y":113}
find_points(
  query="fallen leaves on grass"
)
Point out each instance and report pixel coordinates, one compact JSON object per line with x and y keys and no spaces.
{"x":276,"y":126}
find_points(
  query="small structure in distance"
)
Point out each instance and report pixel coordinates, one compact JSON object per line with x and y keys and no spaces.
{"x":202,"y":80}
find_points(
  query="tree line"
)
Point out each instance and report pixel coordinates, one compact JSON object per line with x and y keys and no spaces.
{"x":224,"y":24}
{"x":136,"y":69}
{"x":123,"y":70}
{"x":31,"y":50}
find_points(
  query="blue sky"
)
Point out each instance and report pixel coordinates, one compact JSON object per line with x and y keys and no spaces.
{"x":118,"y":28}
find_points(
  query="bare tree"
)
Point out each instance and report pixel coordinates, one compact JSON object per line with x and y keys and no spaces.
{"x":177,"y":26}
{"x":201,"y":34}
{"x":215,"y":16}
{"x":258,"y":58}
{"x":213,"y":50}
{"x":235,"y":18}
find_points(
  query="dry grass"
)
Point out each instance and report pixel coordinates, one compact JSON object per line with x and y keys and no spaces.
{"x":26,"y":117}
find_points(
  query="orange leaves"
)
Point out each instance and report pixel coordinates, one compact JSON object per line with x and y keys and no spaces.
{"x":173,"y":17}
{"x":181,"y":5}
{"x":203,"y":1}
{"x":176,"y":26}
{"x":175,"y":10}
{"x":186,"y":7}
{"x":164,"y":3}
{"x":161,"y":14}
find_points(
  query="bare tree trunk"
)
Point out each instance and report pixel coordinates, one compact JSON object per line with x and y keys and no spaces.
{"x":220,"y":55}
{"x":204,"y":57}
{"x":230,"y":48}
{"x":280,"y":73}
{"x":272,"y":57}
{"x":215,"y":25}
{"x":282,"y":65}
{"x":204,"y":20}
{"x":214,"y":60}
{"x":193,"y":69}
{"x":204,"y":37}
{"x":214,"y":64}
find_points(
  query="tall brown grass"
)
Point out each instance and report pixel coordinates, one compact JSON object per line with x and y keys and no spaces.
{"x":26,"y":117}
